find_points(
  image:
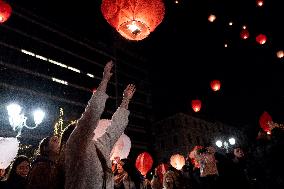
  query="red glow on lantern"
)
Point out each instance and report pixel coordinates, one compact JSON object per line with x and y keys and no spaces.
{"x":134,"y":20}
{"x":261,"y":39}
{"x":263,"y":121}
{"x":215,"y":85}
{"x":212,"y":18}
{"x":5,"y":11}
{"x":144,"y":163}
{"x":259,"y":3}
{"x":244,"y":34}
{"x":196,"y":105}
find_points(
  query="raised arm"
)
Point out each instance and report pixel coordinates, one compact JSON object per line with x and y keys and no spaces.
{"x":88,"y":121}
{"x":119,"y":119}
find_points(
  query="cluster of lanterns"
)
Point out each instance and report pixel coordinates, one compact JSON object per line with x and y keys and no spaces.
{"x":196,"y":104}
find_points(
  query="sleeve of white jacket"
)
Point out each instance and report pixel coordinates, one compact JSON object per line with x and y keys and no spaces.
{"x":119,"y":122}
{"x":86,"y":125}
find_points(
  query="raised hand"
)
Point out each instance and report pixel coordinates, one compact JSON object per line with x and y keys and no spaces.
{"x":129,"y":91}
{"x":107,"y":70}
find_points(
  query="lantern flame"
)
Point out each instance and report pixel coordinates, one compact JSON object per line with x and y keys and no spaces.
{"x":134,"y":28}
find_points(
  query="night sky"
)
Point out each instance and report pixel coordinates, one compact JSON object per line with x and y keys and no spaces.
{"x":186,"y":52}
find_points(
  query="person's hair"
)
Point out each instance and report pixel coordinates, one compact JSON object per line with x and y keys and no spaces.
{"x":43,"y":148}
{"x":66,"y":134}
{"x":12,"y":172}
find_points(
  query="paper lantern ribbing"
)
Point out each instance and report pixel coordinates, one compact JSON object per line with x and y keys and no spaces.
{"x":177,"y":161}
{"x":5,"y":11}
{"x":144,"y":163}
{"x":196,"y":105}
{"x":215,"y":85}
{"x":8,"y":149}
{"x":263,"y":121}
{"x":121,"y":148}
{"x":134,"y":20}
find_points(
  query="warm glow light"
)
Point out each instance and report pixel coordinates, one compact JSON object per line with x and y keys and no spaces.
{"x":244,"y":34}
{"x":232,"y":141}
{"x":259,"y":3}
{"x":176,"y":2}
{"x":261,"y":39}
{"x":225,"y":45}
{"x":196,"y":105}
{"x":134,"y":20}
{"x":230,"y":23}
{"x":134,"y":28}
{"x":269,"y":133}
{"x":280,"y":54}
{"x":212,"y":18}
{"x":215,"y":85}
{"x":5,"y":11}
{"x":244,"y":27}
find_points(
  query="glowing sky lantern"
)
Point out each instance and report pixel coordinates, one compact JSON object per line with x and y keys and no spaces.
{"x":211,"y":18}
{"x":215,"y":85}
{"x":177,"y":161}
{"x":196,"y":105}
{"x":134,"y":20}
{"x":244,"y":34}
{"x":144,"y":163}
{"x":261,"y":39}
{"x":280,"y":54}
{"x":259,"y":3}
{"x":5,"y":11}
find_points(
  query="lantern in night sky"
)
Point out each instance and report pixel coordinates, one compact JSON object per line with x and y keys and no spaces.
{"x":259,"y":3}
{"x":144,"y":163}
{"x":244,"y":34}
{"x":261,"y":39}
{"x":5,"y":11}
{"x":280,"y":54}
{"x":134,"y":20}
{"x":196,"y":105}
{"x":263,"y":121}
{"x":215,"y":85}
{"x":177,"y":161}
{"x":211,"y":18}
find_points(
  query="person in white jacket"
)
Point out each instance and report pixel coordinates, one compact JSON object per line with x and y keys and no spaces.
{"x":87,"y":162}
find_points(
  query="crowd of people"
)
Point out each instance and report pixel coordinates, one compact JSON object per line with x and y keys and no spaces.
{"x":76,"y":161}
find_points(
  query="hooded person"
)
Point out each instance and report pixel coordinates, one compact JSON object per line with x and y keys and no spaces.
{"x":87,"y":162}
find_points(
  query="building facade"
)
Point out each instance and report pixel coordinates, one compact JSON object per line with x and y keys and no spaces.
{"x":181,"y":132}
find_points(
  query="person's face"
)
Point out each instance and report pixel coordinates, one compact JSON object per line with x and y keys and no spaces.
{"x":119,"y":168}
{"x":54,"y":144}
{"x":239,"y":153}
{"x":23,"y":169}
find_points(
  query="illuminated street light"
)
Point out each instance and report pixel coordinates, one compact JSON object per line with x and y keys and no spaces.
{"x":226,"y":144}
{"x":17,"y":118}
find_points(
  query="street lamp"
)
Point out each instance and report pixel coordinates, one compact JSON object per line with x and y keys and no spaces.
{"x":226,"y":144}
{"x":17,"y":118}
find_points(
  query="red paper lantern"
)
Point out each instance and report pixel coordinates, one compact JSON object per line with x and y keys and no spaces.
{"x":196,"y":105}
{"x":263,"y":121}
{"x":5,"y":11}
{"x":244,"y":34}
{"x":144,"y":163}
{"x":215,"y":85}
{"x":261,"y":39}
{"x":134,"y":20}
{"x":161,"y":170}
